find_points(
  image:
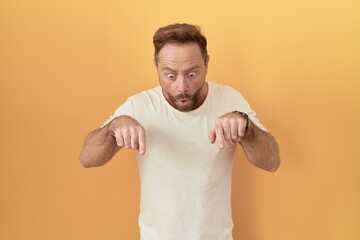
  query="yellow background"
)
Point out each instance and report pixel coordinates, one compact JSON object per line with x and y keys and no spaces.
{"x":65,"y":66}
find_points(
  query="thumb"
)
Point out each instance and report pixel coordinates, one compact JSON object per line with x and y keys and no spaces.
{"x":212,"y":136}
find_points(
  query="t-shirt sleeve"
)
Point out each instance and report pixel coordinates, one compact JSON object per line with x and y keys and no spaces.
{"x":124,"y":109}
{"x":252,"y":116}
{"x":241,"y":104}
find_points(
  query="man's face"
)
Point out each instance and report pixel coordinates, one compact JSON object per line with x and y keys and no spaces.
{"x":182,"y":69}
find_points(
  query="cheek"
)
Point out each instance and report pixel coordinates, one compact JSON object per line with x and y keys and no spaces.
{"x":199,"y":81}
{"x":167,"y":86}
{"x":163,"y":82}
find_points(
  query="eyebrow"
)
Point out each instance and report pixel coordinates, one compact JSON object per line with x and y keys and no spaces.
{"x":172,"y":70}
{"x":167,"y":68}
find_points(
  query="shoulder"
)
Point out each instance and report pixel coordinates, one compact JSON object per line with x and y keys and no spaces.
{"x":218,"y":90}
{"x":137,"y":102}
{"x":149,"y":95}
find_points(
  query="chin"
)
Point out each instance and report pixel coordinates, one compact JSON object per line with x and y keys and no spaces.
{"x":184,"y":108}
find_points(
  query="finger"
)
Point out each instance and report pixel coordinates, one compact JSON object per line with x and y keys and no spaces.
{"x":127,"y":138}
{"x":227,"y":132}
{"x":119,"y":138}
{"x":219,"y":136}
{"x":134,"y":139}
{"x":234,"y":130}
{"x":142,"y":141}
{"x":212,"y":136}
{"x":227,"y":135}
{"x":241,"y":128}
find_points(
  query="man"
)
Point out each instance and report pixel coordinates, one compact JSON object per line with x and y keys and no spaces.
{"x":185,"y":177}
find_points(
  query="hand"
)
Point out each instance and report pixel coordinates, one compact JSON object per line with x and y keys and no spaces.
{"x":229,"y":128}
{"x":129,"y":133}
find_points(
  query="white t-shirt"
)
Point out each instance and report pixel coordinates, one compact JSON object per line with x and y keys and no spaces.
{"x":185,"y":180}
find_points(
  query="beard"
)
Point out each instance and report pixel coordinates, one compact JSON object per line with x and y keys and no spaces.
{"x":185,"y":102}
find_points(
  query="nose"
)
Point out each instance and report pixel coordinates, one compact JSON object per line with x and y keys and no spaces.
{"x":182,"y":85}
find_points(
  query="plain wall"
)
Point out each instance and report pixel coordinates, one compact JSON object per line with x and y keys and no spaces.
{"x":65,"y":66}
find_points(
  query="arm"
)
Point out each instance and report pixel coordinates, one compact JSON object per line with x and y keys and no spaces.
{"x":102,"y":144}
{"x":260,"y":146}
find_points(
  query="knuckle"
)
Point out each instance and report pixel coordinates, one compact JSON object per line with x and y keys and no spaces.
{"x":218,"y":122}
{"x":132,"y":131}
{"x":118,"y":132}
{"x":123,"y":130}
{"x":233,"y":121}
{"x":139,"y":128}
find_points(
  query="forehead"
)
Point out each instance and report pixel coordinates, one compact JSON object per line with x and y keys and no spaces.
{"x":183,"y":54}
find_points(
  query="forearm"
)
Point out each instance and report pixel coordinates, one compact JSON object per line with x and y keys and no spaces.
{"x":261,"y":148}
{"x":99,"y":147}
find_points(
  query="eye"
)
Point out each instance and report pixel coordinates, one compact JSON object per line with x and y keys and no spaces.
{"x":192,"y":74}
{"x":170,"y":76}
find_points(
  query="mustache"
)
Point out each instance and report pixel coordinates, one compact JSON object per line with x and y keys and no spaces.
{"x":183,"y":96}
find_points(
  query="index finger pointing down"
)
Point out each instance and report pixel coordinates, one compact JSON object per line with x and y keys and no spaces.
{"x":142,"y":142}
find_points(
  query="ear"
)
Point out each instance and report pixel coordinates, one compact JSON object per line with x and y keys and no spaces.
{"x":207,"y":63}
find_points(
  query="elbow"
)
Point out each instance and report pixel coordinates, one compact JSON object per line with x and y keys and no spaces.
{"x":85,"y":161}
{"x":88,"y":161}
{"x":85,"y":165}
{"x":273,"y":162}
{"x":269,"y":164}
{"x":273,"y":166}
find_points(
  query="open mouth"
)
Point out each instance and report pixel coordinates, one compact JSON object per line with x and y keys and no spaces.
{"x":184,"y":100}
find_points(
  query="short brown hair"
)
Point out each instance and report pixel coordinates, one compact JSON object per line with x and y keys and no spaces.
{"x":179,"y":33}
